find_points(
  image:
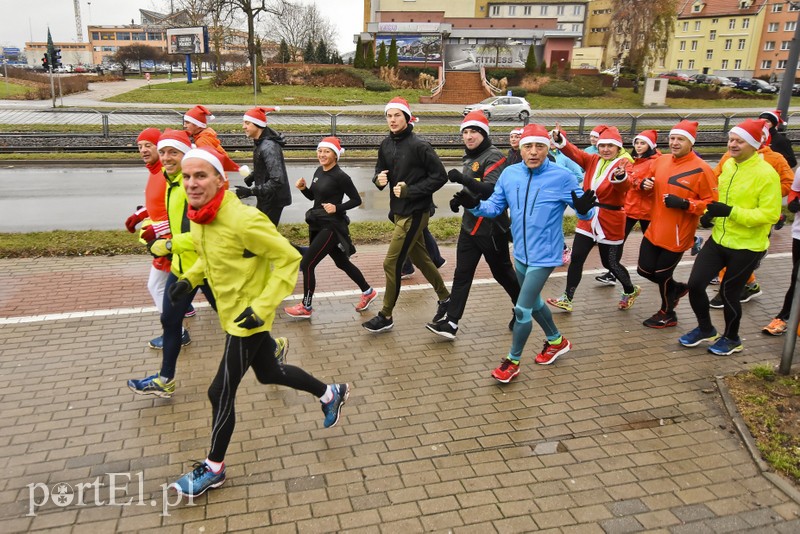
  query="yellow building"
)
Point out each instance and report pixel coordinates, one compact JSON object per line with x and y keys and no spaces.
{"x":717,"y":37}
{"x":598,"y":31}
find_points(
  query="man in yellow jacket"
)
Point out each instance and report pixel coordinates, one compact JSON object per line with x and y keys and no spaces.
{"x":749,"y":204}
{"x":251,"y":269}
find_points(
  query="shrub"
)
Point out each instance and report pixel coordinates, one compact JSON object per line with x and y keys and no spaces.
{"x":533,"y":83}
{"x":502,"y":73}
{"x":518,"y":91}
{"x":579,"y":86}
{"x":589,"y":85}
{"x":377,"y":85}
{"x":414,"y":72}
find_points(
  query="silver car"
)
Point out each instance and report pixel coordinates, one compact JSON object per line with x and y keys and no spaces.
{"x":503,"y":106}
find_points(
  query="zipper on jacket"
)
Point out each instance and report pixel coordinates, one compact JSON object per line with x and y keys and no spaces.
{"x":525,"y":216}
{"x":727,"y":194}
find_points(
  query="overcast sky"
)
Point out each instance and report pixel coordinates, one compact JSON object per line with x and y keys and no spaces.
{"x":28,"y":19}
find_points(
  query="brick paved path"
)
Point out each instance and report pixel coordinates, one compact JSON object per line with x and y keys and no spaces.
{"x":624,"y":433}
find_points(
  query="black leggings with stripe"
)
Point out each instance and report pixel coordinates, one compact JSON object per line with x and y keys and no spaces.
{"x":610,"y":256}
{"x":324,"y":243}
{"x":256,"y":351}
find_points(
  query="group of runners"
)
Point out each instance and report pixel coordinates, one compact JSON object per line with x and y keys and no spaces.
{"x":202,"y":237}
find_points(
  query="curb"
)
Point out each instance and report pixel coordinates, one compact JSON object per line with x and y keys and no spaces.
{"x":750,"y":443}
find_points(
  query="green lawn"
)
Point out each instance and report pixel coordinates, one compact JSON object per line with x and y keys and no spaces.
{"x":9,"y":89}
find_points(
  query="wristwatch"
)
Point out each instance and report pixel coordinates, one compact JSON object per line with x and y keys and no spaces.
{"x":168,"y":244}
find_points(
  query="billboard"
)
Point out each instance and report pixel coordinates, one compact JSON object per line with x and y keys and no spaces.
{"x":490,"y":55}
{"x":419,"y":48}
{"x":187,"y":40}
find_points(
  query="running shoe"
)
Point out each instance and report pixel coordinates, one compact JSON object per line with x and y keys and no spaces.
{"x":776,"y":327}
{"x":153,"y":385}
{"x":199,"y":480}
{"x":726,"y":346}
{"x":379,"y":323}
{"x":443,"y":328}
{"x":714,"y":281}
{"x":157,"y":343}
{"x":716,"y":302}
{"x":366,"y":300}
{"x":566,"y":255}
{"x":680,"y":291}
{"x":749,"y":292}
{"x":281,"y":349}
{"x":444,"y":262}
{"x":628,"y":299}
{"x":698,"y":244}
{"x":408,"y":274}
{"x":441,"y":310}
{"x":607,"y":279}
{"x":191,"y":312}
{"x":551,"y":352}
{"x":298,"y":311}
{"x":506,"y":371}
{"x":561,"y":302}
{"x":661,"y":319}
{"x":697,"y":336}
{"x":333,"y":408}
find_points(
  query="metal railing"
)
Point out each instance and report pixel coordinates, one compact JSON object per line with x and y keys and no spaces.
{"x":489,"y":87}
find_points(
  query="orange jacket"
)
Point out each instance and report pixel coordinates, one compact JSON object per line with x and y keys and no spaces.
{"x":208,"y":138}
{"x":156,"y":209}
{"x":639,"y":203}
{"x":688,"y":177}
{"x":775,"y":159}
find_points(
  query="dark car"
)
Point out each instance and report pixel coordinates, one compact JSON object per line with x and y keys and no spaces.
{"x":756,"y":85}
{"x":700,"y":78}
{"x":796,"y":89}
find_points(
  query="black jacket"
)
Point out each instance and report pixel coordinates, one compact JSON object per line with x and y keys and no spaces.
{"x":781,"y":144}
{"x":411,"y":160}
{"x":269,"y":172}
{"x":484,"y":167}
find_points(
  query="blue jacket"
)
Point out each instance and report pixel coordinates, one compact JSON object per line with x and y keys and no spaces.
{"x":536,"y":199}
{"x":568,"y":164}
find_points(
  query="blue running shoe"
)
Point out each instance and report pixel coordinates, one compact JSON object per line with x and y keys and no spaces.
{"x":153,"y":385}
{"x":156,"y":343}
{"x":698,"y":244}
{"x":199,"y":480}
{"x":726,"y":346}
{"x":185,"y":339}
{"x":334,"y":407}
{"x":697,"y":336}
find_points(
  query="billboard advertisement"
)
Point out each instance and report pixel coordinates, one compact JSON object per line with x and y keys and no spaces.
{"x":418,"y":48}
{"x":490,"y":55}
{"x":187,"y":40}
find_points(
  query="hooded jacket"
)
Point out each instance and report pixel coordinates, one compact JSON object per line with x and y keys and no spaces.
{"x":271,"y":181}
{"x":775,"y":159}
{"x":183,"y":254}
{"x":485,"y":167}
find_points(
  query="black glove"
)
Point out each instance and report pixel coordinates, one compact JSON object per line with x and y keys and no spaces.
{"x":719,"y":209}
{"x":248,"y":319}
{"x":455,"y":203}
{"x":794,"y":205}
{"x":583,"y":204}
{"x":243,"y":192}
{"x":455,"y":176}
{"x":674,"y":201}
{"x":179,"y":289}
{"x":557,"y":137}
{"x":249,"y":179}
{"x":466,"y":200}
{"x":706,"y":221}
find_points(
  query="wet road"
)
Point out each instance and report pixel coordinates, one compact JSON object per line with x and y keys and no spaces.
{"x":97,"y":198}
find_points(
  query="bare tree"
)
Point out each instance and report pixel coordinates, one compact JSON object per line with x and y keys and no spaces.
{"x":642,"y":32}
{"x":299,"y":25}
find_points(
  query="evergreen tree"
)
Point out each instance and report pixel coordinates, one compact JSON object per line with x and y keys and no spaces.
{"x":392,"y":61}
{"x":382,"y":55}
{"x":283,"y":52}
{"x":530,"y":63}
{"x":321,"y":53}
{"x":369,"y":56}
{"x":358,"y":60}
{"x":308,"y":53}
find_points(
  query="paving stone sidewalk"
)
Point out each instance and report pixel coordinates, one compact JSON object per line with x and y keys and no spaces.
{"x":625,"y":433}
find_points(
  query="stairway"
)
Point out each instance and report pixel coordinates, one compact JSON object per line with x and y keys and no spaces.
{"x":462,"y":87}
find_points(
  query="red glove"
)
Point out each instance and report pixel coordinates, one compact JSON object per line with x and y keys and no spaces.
{"x":148,"y":233}
{"x":138,"y":216}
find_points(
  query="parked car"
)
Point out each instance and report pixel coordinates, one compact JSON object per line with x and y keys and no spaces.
{"x":796,"y":89}
{"x":674,"y":76}
{"x":754,"y":84}
{"x":699,"y":78}
{"x":723,"y":81}
{"x":502,"y":106}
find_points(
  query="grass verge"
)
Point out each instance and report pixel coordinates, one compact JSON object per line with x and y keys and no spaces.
{"x":770,"y":406}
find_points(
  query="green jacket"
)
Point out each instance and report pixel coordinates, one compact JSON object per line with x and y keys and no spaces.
{"x":183,"y":254}
{"x":753,"y":189}
{"x":246,"y":262}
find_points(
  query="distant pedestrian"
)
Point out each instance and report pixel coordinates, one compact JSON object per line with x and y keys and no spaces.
{"x":195,"y":122}
{"x":594,"y":135}
{"x":514,"y":156}
{"x":777,"y":140}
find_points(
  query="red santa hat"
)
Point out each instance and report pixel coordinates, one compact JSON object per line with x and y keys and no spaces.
{"x":258,"y":115}
{"x":199,"y":116}
{"x":332,"y":143}
{"x":221,"y":162}
{"x":400,"y":103}
{"x":687,"y":129}
{"x":150,"y":135}
{"x":648,"y":136}
{"x":774,"y":116}
{"x":177,"y":139}
{"x":597,"y":130}
{"x":751,"y":130}
{"x":515,"y":131}
{"x":610,"y":136}
{"x":476,"y":119}
{"x":534,"y":133}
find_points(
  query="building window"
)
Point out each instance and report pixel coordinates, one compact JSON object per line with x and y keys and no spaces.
{"x":737,"y":64}
{"x":697,"y":25}
{"x":152,"y":36}
{"x":781,"y":64}
{"x":712,"y":35}
{"x":785,"y":45}
{"x":495,"y":11}
{"x":725,"y":64}
{"x":683,"y":46}
{"x":680,"y":64}
{"x":106,"y":36}
{"x":728,"y":44}
{"x":745,"y":23}
{"x":576,"y":28}
{"x":138,"y":37}
{"x":766,"y":64}
{"x":577,"y":10}
{"x":560,"y":27}
{"x":543,"y":10}
{"x":694,"y":46}
{"x":790,"y":26}
{"x":769,"y":45}
{"x":709,"y":54}
{"x":714,"y":21}
{"x":686,"y":26}
{"x":794,"y":7}
{"x":512,"y":10}
{"x":526,"y":10}
{"x":777,"y":8}
{"x":95,"y":36}
{"x":772,"y":27}
{"x":123,"y":36}
{"x":559,"y":10}
{"x":741,"y":44}
{"x":691,"y":64}
{"x":731,"y":24}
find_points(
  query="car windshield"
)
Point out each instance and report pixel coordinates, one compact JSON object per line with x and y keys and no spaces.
{"x":489,"y":100}
{"x":761,"y":83}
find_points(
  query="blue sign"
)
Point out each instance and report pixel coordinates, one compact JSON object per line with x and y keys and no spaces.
{"x":11,"y":51}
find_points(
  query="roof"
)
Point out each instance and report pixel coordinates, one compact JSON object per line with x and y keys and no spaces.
{"x":719,"y":8}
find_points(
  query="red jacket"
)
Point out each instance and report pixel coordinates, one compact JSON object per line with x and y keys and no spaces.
{"x":638,"y":203}
{"x":154,"y":193}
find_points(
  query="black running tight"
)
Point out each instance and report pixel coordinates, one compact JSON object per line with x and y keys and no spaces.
{"x":325,"y":243}
{"x":610,"y":256}
{"x":657,"y":265}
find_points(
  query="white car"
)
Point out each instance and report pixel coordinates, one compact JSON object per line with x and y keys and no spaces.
{"x":503,"y":106}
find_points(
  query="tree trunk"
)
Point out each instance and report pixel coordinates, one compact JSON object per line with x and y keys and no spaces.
{"x":251,"y":48}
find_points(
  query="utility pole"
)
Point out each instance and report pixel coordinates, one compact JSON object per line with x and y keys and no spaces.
{"x":78,"y":26}
{"x":789,"y":73}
